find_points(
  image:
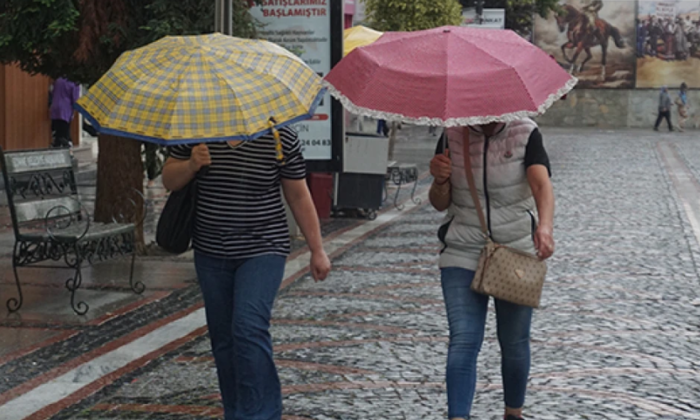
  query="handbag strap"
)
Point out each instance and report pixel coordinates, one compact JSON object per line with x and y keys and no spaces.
{"x":472,"y":184}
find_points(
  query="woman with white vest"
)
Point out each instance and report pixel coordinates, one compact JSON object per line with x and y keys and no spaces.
{"x":512,"y":174}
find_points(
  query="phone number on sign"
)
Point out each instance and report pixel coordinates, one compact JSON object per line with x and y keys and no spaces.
{"x":307,"y":143}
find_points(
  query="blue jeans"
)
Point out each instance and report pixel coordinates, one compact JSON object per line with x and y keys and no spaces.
{"x":466,"y":313}
{"x":381,"y":127}
{"x":238,"y":299}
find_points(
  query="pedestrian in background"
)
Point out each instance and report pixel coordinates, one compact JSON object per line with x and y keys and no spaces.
{"x":382,"y":128}
{"x":64,"y":95}
{"x":664,"y":109}
{"x":511,"y":167}
{"x":682,"y":104}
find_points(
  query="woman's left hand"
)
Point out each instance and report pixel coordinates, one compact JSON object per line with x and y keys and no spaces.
{"x":544,"y":242}
{"x":320,"y":265}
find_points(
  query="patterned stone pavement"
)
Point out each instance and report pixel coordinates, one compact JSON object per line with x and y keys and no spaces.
{"x":617,"y":337}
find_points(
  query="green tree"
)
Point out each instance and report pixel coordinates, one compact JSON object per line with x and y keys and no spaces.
{"x":412,"y":15}
{"x":80,"y":40}
{"x":519,"y":13}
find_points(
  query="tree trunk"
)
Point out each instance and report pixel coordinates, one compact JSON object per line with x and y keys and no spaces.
{"x":392,"y":139}
{"x":119,"y":177}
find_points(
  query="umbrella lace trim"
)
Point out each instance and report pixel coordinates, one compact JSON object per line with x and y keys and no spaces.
{"x":450,"y":122}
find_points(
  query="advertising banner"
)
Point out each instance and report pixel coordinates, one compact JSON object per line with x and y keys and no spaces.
{"x":304,"y":28}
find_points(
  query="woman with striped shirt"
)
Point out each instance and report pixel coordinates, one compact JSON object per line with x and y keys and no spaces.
{"x":241,"y":242}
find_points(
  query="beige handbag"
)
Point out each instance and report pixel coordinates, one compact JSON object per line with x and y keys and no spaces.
{"x":505,"y":273}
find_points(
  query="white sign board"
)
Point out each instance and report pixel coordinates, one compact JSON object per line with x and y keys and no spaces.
{"x":304,"y":28}
{"x":666,"y":10}
{"x":491,"y":19}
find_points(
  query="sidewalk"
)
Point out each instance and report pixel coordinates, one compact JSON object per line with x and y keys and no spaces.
{"x":617,"y":337}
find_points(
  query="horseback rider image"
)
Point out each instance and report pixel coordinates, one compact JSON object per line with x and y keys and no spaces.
{"x":585,"y":30}
{"x":591,"y":10}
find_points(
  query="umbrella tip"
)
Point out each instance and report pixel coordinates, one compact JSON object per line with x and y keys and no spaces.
{"x":446,"y":30}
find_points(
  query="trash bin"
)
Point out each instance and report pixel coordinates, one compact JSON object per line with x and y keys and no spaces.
{"x":361,"y":184}
{"x":321,"y":186}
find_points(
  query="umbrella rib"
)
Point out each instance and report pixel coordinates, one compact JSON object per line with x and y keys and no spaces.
{"x":120,"y":100}
{"x":218,"y":75}
{"x":178,"y":91}
{"x":520,"y":79}
{"x":366,"y":85}
{"x":265,"y":76}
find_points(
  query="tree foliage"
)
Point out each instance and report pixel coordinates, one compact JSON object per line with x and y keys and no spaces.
{"x":519,"y":13}
{"x":412,"y":15}
{"x":81,"y":39}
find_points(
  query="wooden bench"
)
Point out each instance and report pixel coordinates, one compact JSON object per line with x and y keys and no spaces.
{"x":52,"y":226}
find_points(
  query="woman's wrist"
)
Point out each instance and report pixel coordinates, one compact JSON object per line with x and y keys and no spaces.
{"x":192,"y":167}
{"x":442,"y":189}
{"x":438,"y":183}
{"x":317,"y":250}
{"x":546,"y":226}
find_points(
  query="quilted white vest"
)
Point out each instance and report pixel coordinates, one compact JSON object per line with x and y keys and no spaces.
{"x":500,"y":176}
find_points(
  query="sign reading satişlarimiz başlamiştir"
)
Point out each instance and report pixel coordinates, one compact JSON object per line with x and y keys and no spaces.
{"x":304,"y":28}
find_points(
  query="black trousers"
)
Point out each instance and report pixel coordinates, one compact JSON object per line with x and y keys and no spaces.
{"x":664,"y":115}
{"x":61,"y":133}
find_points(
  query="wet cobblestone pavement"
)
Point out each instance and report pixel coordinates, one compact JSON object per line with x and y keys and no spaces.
{"x":617,"y":337}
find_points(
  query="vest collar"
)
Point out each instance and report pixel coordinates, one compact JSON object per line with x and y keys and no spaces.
{"x":501,"y":129}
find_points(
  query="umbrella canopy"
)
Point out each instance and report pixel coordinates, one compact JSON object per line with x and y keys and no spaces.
{"x":192,"y":89}
{"x":449,"y":76}
{"x":358,"y":36}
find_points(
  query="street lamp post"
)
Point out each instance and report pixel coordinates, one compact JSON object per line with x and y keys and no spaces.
{"x":223,"y":18}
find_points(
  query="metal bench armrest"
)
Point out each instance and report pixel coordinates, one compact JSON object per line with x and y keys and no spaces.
{"x":72,"y":218}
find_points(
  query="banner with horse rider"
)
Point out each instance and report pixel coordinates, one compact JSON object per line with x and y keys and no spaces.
{"x":593,"y":40}
{"x":668,"y":43}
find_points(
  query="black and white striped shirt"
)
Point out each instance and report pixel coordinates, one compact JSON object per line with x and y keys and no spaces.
{"x":240,"y":213}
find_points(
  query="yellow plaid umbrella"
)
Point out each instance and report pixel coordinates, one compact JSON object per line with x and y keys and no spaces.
{"x":192,"y":89}
{"x":359,"y":36}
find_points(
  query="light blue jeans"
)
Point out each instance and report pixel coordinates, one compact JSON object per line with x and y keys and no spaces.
{"x":238,"y":299}
{"x":466,"y":313}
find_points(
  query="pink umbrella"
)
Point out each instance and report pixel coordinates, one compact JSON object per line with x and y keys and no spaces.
{"x":449,"y":76}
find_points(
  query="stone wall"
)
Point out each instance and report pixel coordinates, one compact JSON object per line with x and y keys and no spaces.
{"x":607,"y":108}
